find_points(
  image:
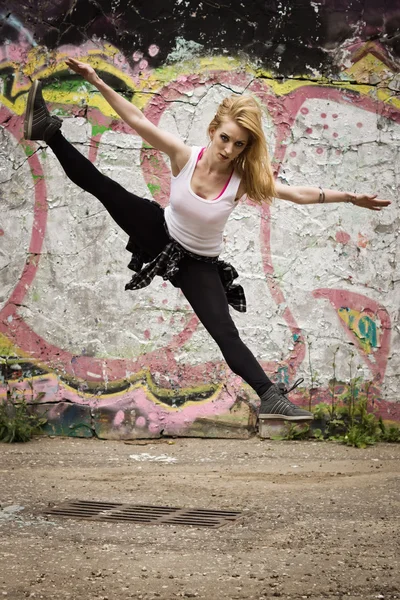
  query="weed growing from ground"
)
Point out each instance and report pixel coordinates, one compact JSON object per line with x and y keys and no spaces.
{"x":350,"y":417}
{"x":18,"y":420}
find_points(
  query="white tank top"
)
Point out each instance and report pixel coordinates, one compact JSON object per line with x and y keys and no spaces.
{"x":198,"y":224}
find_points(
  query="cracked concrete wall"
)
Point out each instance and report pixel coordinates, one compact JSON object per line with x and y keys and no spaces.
{"x":322,"y":282}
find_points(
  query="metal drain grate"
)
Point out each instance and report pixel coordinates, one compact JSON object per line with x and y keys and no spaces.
{"x":142,"y":513}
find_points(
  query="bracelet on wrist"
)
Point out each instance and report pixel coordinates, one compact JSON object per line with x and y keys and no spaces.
{"x":321,"y":198}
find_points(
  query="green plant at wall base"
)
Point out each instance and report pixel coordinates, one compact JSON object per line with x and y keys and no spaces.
{"x":321,"y":411}
{"x":351,"y":423}
{"x":357,"y":437}
{"x":349,"y":418}
{"x":297,"y":432}
{"x":389,"y":434}
{"x":314,"y":383}
{"x":333,"y":384}
{"x":366,"y":420}
{"x":18,"y":421}
{"x":293,"y":431}
{"x":318,"y":435}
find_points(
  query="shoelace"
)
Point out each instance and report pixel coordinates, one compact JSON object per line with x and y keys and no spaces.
{"x":285,"y":391}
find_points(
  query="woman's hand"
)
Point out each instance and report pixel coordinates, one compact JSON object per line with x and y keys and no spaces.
{"x":83,"y":69}
{"x":370,"y":201}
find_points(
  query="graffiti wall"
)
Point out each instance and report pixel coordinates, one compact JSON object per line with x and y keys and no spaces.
{"x":322,"y":281}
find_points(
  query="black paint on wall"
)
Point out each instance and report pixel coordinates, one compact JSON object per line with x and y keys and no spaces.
{"x":287,"y":36}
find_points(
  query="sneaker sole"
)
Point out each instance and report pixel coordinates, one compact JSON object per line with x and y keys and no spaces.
{"x":286,"y":417}
{"x":29,"y":110}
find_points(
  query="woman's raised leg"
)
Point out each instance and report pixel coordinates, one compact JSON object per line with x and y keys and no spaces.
{"x":141,"y":219}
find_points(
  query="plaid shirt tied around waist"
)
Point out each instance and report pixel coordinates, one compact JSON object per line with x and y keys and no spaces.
{"x":166,"y":264}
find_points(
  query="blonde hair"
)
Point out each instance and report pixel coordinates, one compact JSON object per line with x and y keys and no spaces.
{"x":253,"y":164}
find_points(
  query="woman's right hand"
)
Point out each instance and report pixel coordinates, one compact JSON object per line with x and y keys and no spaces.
{"x":83,"y":69}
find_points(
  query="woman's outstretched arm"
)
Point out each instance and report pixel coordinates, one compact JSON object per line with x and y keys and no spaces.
{"x":173,"y":146}
{"x":316,"y":195}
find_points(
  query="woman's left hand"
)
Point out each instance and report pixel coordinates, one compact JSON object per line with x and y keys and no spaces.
{"x":370,"y":201}
{"x":83,"y":69}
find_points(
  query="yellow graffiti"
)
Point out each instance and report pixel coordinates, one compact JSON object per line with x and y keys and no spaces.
{"x":363,"y":326}
{"x":143,"y":88}
{"x":6,"y":347}
{"x":140,"y":380}
{"x":42,"y":65}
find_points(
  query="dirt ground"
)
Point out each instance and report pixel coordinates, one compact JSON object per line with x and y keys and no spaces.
{"x":320,"y":520}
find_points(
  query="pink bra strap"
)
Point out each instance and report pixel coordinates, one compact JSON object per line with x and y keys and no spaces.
{"x":227,"y":183}
{"x":200,"y":155}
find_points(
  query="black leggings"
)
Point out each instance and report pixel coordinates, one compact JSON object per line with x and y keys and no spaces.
{"x":199,"y":281}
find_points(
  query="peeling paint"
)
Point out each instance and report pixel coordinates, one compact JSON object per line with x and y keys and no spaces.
{"x":184,"y":50}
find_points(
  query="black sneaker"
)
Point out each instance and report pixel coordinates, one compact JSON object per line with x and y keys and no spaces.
{"x":275,"y":405}
{"x":39,"y":124}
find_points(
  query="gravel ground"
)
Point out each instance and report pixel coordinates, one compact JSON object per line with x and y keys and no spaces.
{"x":320,"y":520}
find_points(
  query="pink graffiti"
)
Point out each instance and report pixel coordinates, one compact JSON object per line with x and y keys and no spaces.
{"x":9,"y":312}
{"x":342,"y":237}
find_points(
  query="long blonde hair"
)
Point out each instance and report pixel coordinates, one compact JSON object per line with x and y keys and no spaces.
{"x":253,"y":164}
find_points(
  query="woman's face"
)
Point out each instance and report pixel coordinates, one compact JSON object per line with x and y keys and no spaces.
{"x":228,"y":140}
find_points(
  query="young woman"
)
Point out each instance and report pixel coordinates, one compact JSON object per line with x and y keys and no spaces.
{"x":183,"y":242}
